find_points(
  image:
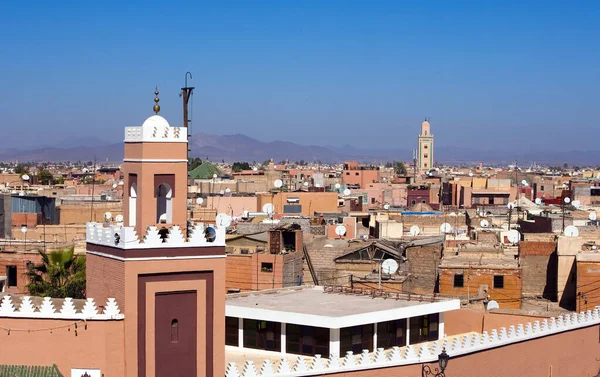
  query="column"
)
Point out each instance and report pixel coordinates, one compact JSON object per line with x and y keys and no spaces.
{"x":241,"y":332}
{"x":407,"y":331}
{"x":375,"y":337}
{"x":334,"y":342}
{"x":283,"y":337}
{"x":441,"y":334}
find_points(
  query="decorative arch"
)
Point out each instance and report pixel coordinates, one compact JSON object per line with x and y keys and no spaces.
{"x":132,"y":204}
{"x":164,"y":204}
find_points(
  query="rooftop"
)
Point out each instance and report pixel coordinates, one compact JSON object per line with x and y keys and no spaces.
{"x":330,"y":308}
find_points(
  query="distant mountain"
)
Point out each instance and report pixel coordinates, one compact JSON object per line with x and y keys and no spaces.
{"x":244,"y":148}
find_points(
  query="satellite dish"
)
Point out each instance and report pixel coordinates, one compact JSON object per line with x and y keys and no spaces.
{"x":415,"y":230}
{"x":337,"y":186}
{"x":223,"y":220}
{"x":567,"y":200}
{"x":119,"y":218}
{"x":305,"y":184}
{"x":114,"y":185}
{"x":386,"y":206}
{"x":538,"y":201}
{"x":484,"y":223}
{"x":524,"y":182}
{"x":510,"y":205}
{"x":470,"y":174}
{"x":24,"y":229}
{"x":162,"y":219}
{"x":278,"y":183}
{"x":215,"y":176}
{"x":340,"y":230}
{"x":452,"y":214}
{"x":255,"y":168}
{"x":347,"y":192}
{"x":85,"y":170}
{"x":481,"y":214}
{"x":389,"y":266}
{"x":107,"y":216}
{"x":21,"y":193}
{"x":592,"y":216}
{"x":492,"y":305}
{"x":513,"y":236}
{"x":576,"y":203}
{"x":222,"y":192}
{"x":446,"y":228}
{"x":199,"y":201}
{"x":571,"y":231}
{"x":268,"y":208}
{"x":227,"y":190}
{"x":25,"y":177}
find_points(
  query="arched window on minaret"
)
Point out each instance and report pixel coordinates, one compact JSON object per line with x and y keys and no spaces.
{"x":164,"y":205}
{"x":132,"y":204}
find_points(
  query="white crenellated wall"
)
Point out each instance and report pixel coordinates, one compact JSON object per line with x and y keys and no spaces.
{"x":127,"y":238}
{"x":416,"y":354}
{"x":26,"y":309}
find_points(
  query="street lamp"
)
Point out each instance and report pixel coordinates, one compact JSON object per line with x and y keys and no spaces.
{"x":437,"y":372}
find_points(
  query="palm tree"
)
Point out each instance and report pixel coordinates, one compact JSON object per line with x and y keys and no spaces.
{"x":60,"y":274}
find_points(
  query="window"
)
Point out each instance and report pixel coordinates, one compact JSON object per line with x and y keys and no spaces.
{"x":244,"y":251}
{"x":424,"y":328}
{"x":391,"y":333}
{"x":425,"y":146}
{"x":426,"y":155}
{"x":307,"y":340}
{"x":347,"y":173}
{"x":266,"y":267}
{"x":174,"y":331}
{"x":414,"y":202}
{"x":356,"y":173}
{"x":498,"y":281}
{"x":231,"y":331}
{"x":542,"y":188}
{"x":262,"y":335}
{"x":459,"y":281}
{"x":11,"y":274}
{"x":372,"y":200}
{"x":164,"y":205}
{"x":425,"y":165}
{"x":356,"y":339}
{"x":423,"y":201}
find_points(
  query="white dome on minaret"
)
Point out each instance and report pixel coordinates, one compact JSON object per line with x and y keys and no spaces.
{"x":155,"y":121}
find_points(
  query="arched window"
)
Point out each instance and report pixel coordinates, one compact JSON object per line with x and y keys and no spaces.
{"x":174,"y":331}
{"x":164,"y":205}
{"x":132,"y":204}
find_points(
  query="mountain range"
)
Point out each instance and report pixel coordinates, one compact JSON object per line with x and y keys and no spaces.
{"x":240,"y":147}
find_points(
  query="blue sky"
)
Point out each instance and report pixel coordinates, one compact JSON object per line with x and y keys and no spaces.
{"x":488,"y":74}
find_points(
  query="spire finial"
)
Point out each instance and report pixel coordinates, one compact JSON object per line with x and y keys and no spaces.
{"x":156,"y":99}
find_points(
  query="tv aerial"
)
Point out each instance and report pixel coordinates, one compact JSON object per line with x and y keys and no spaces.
{"x":223,"y":220}
{"x":267,"y":208}
{"x":484,"y":223}
{"x":571,"y":231}
{"x":446,"y":228}
{"x":415,"y":230}
{"x":389,"y":266}
{"x":340,"y":230}
{"x":278,"y":183}
{"x":513,"y":236}
{"x":347,"y":192}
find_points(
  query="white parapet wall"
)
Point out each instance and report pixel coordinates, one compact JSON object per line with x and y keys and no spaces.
{"x":123,"y":237}
{"x":23,"y":307}
{"x":422,"y":353}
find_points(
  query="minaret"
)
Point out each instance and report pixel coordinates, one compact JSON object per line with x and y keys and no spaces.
{"x":425,"y":152}
{"x":168,"y":283}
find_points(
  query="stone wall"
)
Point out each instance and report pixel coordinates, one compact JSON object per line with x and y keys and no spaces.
{"x":249,"y":228}
{"x":539,"y":266}
{"x":422,"y":264}
{"x":293,"y":264}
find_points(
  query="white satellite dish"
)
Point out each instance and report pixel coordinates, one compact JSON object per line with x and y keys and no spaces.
{"x":513,"y":236}
{"x":199,"y":201}
{"x":524,"y":182}
{"x":25,"y":177}
{"x":484,"y":223}
{"x":415,"y":230}
{"x":452,"y":214}
{"x":538,"y":201}
{"x":347,"y":192}
{"x":337,"y":186}
{"x":227,"y":190}
{"x":576,"y":203}
{"x":481,"y":214}
{"x":340,"y":230}
{"x":255,"y":168}
{"x":510,"y":205}
{"x":592,"y":216}
{"x":107,"y":216}
{"x":24,"y":229}
{"x":21,"y":193}
{"x":446,"y":228}
{"x":222,"y":192}
{"x":305,"y":184}
{"x":389,"y":266}
{"x":470,"y":174}
{"x":492,"y":305}
{"x":278,"y":183}
{"x":268,"y":208}
{"x":386,"y":206}
{"x":571,"y":231}
{"x":567,"y":200}
{"x":162,"y":219}
{"x":114,"y":185}
{"x":119,"y":218}
{"x":85,"y":170}
{"x":215,"y":176}
{"x":223,"y":220}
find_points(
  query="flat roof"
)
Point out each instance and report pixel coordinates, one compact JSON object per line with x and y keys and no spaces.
{"x":313,"y":306}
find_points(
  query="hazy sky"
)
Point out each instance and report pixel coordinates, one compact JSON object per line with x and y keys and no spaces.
{"x":313,"y":72}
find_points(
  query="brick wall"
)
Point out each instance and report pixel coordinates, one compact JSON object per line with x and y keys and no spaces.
{"x":238,"y":272}
{"x":422,"y":264}
{"x":19,"y":260}
{"x":529,"y":248}
{"x":105,"y":278}
{"x":540,"y":268}
{"x":293,"y":268}
{"x":588,"y":285}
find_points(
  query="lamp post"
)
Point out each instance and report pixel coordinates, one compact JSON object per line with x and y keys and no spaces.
{"x":437,"y":372}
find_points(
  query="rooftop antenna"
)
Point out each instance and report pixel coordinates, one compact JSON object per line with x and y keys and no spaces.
{"x":186,"y":93}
